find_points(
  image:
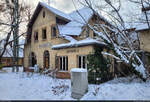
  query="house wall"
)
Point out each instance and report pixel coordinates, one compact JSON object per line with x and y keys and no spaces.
{"x":73,"y":54}
{"x":145,"y":46}
{"x":91,"y":33}
{"x":145,"y":40}
{"x":38,"y":47}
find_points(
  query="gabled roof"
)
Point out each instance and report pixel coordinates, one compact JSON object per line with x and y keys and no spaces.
{"x":79,"y":18}
{"x":51,"y":9}
{"x":76,"y":20}
{"x":55,"y":11}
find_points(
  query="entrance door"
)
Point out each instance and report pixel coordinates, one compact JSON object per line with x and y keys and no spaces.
{"x":46,"y":59}
{"x":46,"y":62}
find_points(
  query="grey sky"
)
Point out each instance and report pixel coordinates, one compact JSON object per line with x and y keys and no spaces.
{"x":67,"y":6}
{"x":63,"y":5}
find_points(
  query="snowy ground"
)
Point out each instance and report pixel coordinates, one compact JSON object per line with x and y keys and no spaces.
{"x":20,"y":86}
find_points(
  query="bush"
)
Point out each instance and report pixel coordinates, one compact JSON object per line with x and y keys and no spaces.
{"x":1,"y":66}
{"x":98,"y":71}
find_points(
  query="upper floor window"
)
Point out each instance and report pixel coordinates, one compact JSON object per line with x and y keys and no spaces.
{"x":87,"y":32}
{"x":54,"y":31}
{"x":36,"y":35}
{"x":43,"y":14}
{"x":44,"y":33}
{"x":8,"y":61}
{"x":94,"y":34}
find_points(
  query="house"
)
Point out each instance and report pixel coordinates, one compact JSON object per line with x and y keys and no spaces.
{"x":59,"y":40}
{"x":144,"y":35}
{"x":7,"y":59}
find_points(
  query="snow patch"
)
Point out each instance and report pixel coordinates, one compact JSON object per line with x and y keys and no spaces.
{"x":42,"y":87}
{"x":84,"y":42}
{"x":78,"y":70}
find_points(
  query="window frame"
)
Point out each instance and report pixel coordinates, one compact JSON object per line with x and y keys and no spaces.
{"x":87,"y":30}
{"x":52,"y":31}
{"x":36,"y":33}
{"x":43,"y":14}
{"x":82,"y":62}
{"x":62,"y":65}
{"x":94,"y":35}
{"x":43,"y":33}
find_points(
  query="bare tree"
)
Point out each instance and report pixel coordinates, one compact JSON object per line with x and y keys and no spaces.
{"x":111,"y":30}
{"x":6,"y":23}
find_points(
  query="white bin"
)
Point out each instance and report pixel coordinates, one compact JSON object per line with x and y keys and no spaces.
{"x":79,"y":82}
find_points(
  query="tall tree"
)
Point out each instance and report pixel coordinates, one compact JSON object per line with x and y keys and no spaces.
{"x":6,"y":22}
{"x":111,"y":30}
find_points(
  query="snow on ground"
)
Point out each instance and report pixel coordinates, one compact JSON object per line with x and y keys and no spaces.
{"x":20,"y":86}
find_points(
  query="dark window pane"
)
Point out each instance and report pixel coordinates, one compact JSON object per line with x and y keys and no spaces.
{"x":43,"y":14}
{"x":54,"y":32}
{"x":64,"y":63}
{"x":79,"y":61}
{"x":83,"y":61}
{"x":94,"y":34}
{"x":60,"y":63}
{"x":36,"y":35}
{"x":87,"y":32}
{"x":67,"y":63}
{"x":44,"y":33}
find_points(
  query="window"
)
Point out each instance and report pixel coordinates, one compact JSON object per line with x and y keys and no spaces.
{"x":44,"y":33}
{"x":43,"y":14}
{"x":46,"y":59}
{"x":8,"y":61}
{"x":87,"y":32}
{"x":94,"y":34}
{"x":63,"y":63}
{"x":82,"y":62}
{"x":32,"y":59}
{"x":53,"y":32}
{"x":36,"y":36}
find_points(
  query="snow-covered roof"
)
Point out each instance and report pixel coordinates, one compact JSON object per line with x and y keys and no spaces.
{"x":79,"y":18}
{"x":145,"y":18}
{"x":146,"y":4}
{"x":55,"y":11}
{"x":143,"y":26}
{"x":76,"y":19}
{"x":85,"y":42}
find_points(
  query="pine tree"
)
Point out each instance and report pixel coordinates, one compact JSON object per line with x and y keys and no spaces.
{"x":97,"y":67}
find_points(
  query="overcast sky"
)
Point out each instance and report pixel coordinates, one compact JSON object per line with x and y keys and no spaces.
{"x":63,"y":5}
{"x":67,"y":6}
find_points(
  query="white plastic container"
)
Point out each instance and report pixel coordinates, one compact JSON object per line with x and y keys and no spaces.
{"x":79,"y":82}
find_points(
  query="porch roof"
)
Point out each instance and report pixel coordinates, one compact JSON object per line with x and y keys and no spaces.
{"x":85,"y":42}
